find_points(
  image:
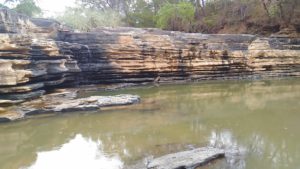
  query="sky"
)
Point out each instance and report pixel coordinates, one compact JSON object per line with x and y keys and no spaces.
{"x":53,"y":7}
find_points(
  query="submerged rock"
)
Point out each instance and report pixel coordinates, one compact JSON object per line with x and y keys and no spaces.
{"x":65,"y":104}
{"x":61,"y":101}
{"x":186,"y":159}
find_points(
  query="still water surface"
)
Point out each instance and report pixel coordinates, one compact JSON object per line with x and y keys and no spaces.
{"x":261,"y":119}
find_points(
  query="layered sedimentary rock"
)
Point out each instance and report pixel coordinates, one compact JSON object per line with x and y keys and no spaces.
{"x":28,"y":66}
{"x":37,"y":55}
{"x":12,"y":22}
{"x":146,"y":55}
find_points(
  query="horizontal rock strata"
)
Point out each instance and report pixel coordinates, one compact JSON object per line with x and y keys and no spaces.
{"x":37,"y":55}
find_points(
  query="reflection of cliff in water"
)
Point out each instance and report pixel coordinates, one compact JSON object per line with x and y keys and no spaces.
{"x":261,"y":118}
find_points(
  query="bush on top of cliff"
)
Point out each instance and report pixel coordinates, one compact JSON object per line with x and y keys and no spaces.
{"x":26,"y":7}
{"x":176,"y":16}
{"x":86,"y":19}
{"x":206,"y":16}
{"x":3,"y":6}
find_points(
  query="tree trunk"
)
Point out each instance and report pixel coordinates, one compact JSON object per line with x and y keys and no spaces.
{"x":282,"y":15}
{"x":197,"y":10}
{"x":266,"y":8}
{"x":203,"y":7}
{"x":291,"y":13}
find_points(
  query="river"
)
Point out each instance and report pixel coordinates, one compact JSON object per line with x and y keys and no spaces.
{"x":259,"y":119}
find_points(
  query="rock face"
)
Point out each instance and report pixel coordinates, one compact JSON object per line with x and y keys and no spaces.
{"x":37,"y":55}
{"x":11,"y":22}
{"x":147,"y":55}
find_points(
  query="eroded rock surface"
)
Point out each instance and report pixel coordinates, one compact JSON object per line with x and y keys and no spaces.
{"x":82,"y":104}
{"x":37,"y":55}
{"x":186,"y":159}
{"x":63,"y":102}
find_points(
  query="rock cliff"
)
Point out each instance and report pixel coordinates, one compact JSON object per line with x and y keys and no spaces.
{"x":37,"y":55}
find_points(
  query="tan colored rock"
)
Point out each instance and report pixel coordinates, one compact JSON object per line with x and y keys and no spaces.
{"x":36,"y":55}
{"x":13,"y":72}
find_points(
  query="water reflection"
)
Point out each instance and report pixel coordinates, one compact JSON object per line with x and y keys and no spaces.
{"x":78,"y":153}
{"x":240,"y":153}
{"x":257,"y":122}
{"x":235,"y":152}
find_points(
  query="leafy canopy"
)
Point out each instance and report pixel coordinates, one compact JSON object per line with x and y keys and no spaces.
{"x":174,"y":16}
{"x":27,"y":7}
{"x":86,"y":19}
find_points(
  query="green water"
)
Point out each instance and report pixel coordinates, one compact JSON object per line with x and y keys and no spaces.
{"x":261,"y":119}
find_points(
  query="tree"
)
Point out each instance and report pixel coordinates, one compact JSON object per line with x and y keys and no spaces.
{"x":208,"y":16}
{"x":120,"y":6}
{"x":85,"y":19}
{"x":287,"y":10}
{"x":178,"y":17}
{"x":27,"y":7}
{"x":2,"y":6}
{"x":140,"y":14}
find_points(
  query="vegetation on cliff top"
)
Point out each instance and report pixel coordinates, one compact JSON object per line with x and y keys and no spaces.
{"x":27,"y":7}
{"x":206,"y":16}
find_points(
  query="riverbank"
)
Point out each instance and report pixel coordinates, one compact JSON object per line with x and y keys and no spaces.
{"x":38,"y":55}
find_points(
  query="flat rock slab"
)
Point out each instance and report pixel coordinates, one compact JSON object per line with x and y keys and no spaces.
{"x":186,"y":159}
{"x":83,"y":104}
{"x":95,"y":102}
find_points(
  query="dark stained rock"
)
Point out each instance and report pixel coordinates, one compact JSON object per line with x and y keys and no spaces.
{"x":4,"y":120}
{"x":39,"y":54}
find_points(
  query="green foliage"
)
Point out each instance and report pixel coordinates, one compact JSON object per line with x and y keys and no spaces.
{"x":28,"y":7}
{"x":140,"y":15}
{"x":175,"y":16}
{"x":2,"y":6}
{"x":274,"y":11}
{"x":208,"y":16}
{"x":86,"y":19}
{"x":211,"y":21}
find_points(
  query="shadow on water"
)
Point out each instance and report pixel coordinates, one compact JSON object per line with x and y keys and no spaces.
{"x":255,"y":122}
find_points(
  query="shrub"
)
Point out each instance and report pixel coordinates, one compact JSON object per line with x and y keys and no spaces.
{"x":86,"y":19}
{"x":28,"y":7}
{"x":175,"y":16}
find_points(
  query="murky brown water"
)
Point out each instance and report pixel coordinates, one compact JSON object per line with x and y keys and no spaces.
{"x":261,"y":119}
